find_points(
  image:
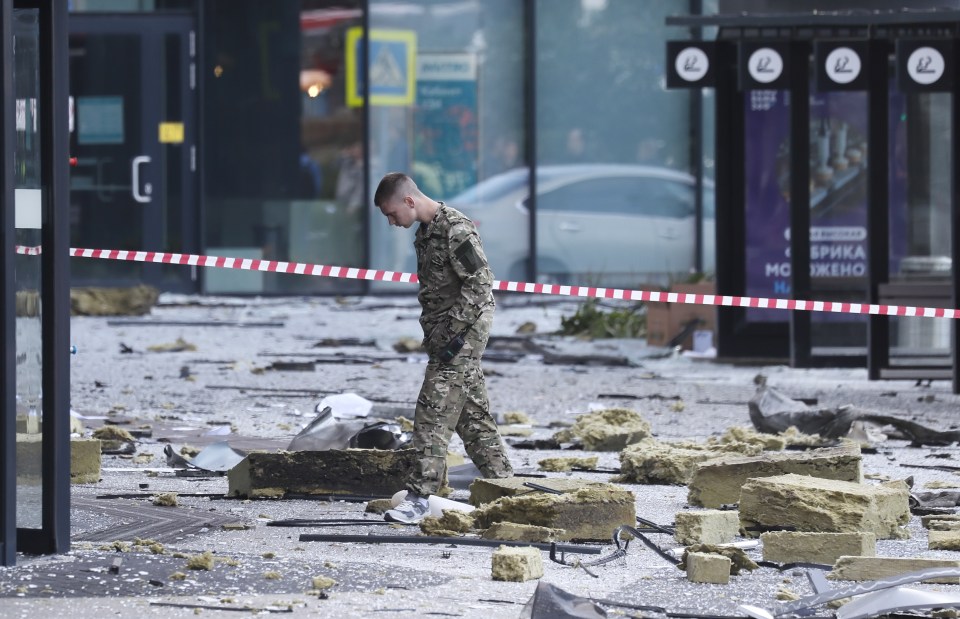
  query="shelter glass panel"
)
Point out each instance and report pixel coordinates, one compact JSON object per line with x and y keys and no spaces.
{"x":920,"y":226}
{"x":838,"y":217}
{"x":28,"y":206}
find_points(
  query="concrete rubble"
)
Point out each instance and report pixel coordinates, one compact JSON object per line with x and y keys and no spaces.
{"x":349,"y":471}
{"x":824,"y":505}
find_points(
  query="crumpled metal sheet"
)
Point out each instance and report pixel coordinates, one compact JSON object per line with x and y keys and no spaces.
{"x":551,"y":602}
{"x":772,"y":412}
{"x":895,"y":600}
{"x":381,"y":435}
{"x":327,"y":432}
{"x":806,"y":605}
{"x":217,"y":458}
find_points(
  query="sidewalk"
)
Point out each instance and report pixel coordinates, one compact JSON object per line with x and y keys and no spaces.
{"x":225,"y":383}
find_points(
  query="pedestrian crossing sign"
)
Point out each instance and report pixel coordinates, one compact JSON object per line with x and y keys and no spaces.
{"x":391,"y":67}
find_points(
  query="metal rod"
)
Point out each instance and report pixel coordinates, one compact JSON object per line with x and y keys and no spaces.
{"x":430,"y":539}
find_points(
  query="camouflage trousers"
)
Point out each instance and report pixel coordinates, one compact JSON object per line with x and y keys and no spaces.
{"x":454,"y":399}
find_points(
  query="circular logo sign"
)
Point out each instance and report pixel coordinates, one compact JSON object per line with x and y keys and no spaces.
{"x":925,"y":65}
{"x":691,"y":64}
{"x":765,"y":65}
{"x":843,"y":65}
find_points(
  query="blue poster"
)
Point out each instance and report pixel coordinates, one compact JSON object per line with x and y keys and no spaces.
{"x":838,"y":192}
{"x":446,"y":123}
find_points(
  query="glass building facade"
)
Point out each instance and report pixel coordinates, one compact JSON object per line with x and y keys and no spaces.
{"x":302,"y":105}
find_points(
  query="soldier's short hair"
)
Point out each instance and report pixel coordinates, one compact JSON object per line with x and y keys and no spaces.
{"x":389,"y":186}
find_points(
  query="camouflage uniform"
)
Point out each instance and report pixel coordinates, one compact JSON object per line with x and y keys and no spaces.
{"x":456,"y":294}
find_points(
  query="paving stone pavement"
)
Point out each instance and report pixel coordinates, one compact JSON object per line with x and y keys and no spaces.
{"x":226,"y":383}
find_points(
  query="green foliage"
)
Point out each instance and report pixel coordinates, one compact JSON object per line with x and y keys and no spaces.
{"x":591,"y":321}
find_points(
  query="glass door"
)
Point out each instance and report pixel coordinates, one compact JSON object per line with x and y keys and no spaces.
{"x":132,"y":86}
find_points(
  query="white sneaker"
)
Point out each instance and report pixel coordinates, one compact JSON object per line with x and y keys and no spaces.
{"x":410,"y":511}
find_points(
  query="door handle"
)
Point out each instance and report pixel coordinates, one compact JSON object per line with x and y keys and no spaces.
{"x":566,"y":226}
{"x":144,"y":197}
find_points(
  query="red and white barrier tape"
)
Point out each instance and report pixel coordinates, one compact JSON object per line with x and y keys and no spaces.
{"x":320,"y":270}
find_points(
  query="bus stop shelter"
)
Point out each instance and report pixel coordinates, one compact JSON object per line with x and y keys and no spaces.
{"x":840,"y":124}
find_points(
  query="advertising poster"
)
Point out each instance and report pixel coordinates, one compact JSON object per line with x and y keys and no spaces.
{"x":446,"y":124}
{"x":838,"y":192}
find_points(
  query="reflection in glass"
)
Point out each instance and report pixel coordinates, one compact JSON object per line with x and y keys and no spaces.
{"x":636,"y":141}
{"x":106,"y":138}
{"x":299,"y":195}
{"x":28,"y":200}
{"x":464,"y":132}
{"x":838,"y":217}
{"x":920,"y":228}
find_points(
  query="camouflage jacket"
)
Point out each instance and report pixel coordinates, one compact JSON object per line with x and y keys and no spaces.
{"x":456,"y":283}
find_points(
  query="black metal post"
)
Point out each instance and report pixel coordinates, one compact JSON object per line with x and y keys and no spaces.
{"x":878,"y":202}
{"x":730,"y":179}
{"x":800,"y":322}
{"x":366,"y":132}
{"x":696,"y":150}
{"x":200,"y":152}
{"x":530,"y":121}
{"x":8,"y":454}
{"x":955,"y":222}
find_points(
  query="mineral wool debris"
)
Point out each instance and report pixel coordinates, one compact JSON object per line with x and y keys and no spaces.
{"x":610,"y":429}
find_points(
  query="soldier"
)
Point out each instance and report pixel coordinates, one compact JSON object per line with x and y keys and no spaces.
{"x":456,"y":297}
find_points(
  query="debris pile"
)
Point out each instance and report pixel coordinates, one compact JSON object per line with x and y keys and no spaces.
{"x":655,"y":462}
{"x":564,"y":464}
{"x":135,"y":301}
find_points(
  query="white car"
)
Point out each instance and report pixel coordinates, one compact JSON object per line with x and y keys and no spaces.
{"x":598,"y":224}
